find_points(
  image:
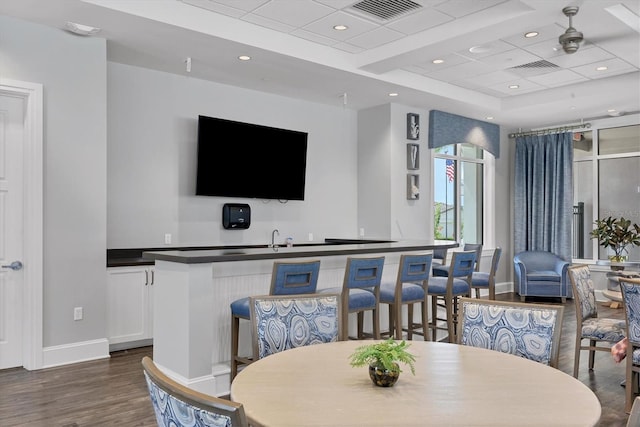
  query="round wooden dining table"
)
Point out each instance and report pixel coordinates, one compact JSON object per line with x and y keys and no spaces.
{"x":453,"y":385}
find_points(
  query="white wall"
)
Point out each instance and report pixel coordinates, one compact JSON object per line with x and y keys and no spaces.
{"x":72,"y":71}
{"x":152,"y":148}
{"x":383,"y":209}
{"x":374,"y":196}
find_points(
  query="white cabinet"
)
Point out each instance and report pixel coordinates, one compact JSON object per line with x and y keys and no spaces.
{"x":130,"y":306}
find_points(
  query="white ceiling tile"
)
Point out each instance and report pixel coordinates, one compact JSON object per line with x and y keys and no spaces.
{"x":557,"y":78}
{"x":347,"y":47}
{"x":375,"y":38}
{"x":489,"y":79}
{"x":545,"y":33}
{"x":525,"y":86}
{"x":356,"y":26}
{"x":614,"y":66}
{"x":449,"y":61}
{"x":459,"y":8}
{"x":548,"y":49}
{"x":268,"y":23}
{"x":313,"y":37}
{"x":586,"y":55}
{"x":234,"y":9}
{"x":295,"y":13}
{"x":460,"y":72}
{"x":336,"y":4}
{"x":419,"y":21}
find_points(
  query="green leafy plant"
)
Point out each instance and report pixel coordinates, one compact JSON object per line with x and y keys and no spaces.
{"x":617,"y":234}
{"x":385,"y":354}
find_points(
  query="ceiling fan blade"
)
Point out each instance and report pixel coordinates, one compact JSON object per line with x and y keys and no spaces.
{"x":607,"y":38}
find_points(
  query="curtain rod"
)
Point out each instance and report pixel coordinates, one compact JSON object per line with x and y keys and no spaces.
{"x":551,"y":130}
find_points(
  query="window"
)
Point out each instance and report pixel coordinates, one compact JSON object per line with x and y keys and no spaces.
{"x":606,"y":182}
{"x":458,"y":179}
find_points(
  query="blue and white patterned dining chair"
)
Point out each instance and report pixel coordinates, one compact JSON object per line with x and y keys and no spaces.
{"x":178,"y":406}
{"x":481,"y":280}
{"x":361,"y":292}
{"x":634,"y":415}
{"x":282,"y":322}
{"x":287,"y":278}
{"x":529,"y":330}
{"x":409,"y":288}
{"x":447,"y":290}
{"x":599,"y":332}
{"x":631,"y":300}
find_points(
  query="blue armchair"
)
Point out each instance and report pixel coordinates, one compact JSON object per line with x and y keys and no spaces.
{"x":541,"y":274}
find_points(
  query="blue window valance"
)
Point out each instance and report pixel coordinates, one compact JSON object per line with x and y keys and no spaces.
{"x":447,"y":128}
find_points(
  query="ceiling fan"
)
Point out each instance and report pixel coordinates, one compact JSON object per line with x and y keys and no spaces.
{"x":571,"y":38}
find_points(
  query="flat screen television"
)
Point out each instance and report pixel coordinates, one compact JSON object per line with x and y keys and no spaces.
{"x":237,"y":159}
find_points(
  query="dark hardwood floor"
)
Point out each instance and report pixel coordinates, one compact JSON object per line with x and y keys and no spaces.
{"x":112,"y":392}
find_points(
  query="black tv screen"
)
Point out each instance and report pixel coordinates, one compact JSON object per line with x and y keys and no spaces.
{"x":237,"y":159}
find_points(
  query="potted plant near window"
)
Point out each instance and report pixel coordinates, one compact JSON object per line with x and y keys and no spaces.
{"x":617,"y":234}
{"x":383,"y":359}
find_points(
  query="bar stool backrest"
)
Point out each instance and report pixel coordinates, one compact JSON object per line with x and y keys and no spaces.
{"x":294,"y":278}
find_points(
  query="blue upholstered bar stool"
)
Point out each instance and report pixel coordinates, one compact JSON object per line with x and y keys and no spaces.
{"x":360,"y":292}
{"x":287,"y":278}
{"x":449,"y":289}
{"x":409,"y":288}
{"x":487,"y":280}
{"x":439,"y":256}
{"x":443,"y":270}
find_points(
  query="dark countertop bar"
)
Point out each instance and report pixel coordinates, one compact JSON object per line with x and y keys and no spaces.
{"x":131,"y":257}
{"x":299,"y":251}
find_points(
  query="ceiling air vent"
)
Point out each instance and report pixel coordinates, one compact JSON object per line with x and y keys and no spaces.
{"x":534,"y":68}
{"x":386,"y":9}
{"x":537,"y":64}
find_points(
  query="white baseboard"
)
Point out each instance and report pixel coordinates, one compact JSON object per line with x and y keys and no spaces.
{"x":75,"y":352}
{"x":217,"y":384}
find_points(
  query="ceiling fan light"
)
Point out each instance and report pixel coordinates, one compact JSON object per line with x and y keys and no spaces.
{"x":570,"y":46}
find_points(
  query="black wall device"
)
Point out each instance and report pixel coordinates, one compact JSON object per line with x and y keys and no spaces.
{"x":236,"y":216}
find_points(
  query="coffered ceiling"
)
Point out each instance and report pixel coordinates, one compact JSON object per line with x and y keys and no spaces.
{"x":488,"y":67}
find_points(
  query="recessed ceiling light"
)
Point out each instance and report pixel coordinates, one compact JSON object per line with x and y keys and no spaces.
{"x":340,"y":27}
{"x":244,"y":58}
{"x":611,"y":110}
{"x":514,"y":86}
{"x":82,"y":30}
{"x":438,"y":61}
{"x":489,"y":117}
{"x":602,"y":68}
{"x":393,"y":94}
{"x":531,"y":34}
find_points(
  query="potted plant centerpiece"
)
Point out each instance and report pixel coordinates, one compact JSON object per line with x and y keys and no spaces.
{"x":383,"y":359}
{"x":617,"y":234}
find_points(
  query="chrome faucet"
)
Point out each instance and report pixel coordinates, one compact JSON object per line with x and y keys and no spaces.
{"x":274,"y":233}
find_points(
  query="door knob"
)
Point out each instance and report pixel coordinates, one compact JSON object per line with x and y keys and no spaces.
{"x":15,"y":266}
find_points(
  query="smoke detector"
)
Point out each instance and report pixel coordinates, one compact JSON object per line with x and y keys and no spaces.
{"x":80,"y":29}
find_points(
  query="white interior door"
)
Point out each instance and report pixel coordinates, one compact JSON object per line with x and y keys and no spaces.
{"x":11,"y":230}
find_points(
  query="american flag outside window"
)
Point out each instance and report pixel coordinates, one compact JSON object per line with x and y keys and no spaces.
{"x":450,"y":170}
